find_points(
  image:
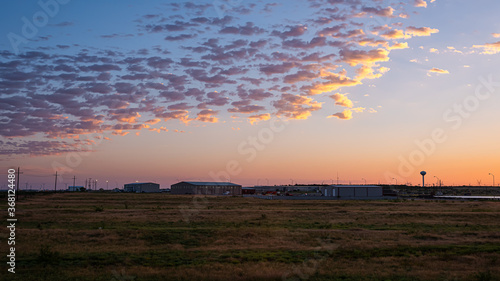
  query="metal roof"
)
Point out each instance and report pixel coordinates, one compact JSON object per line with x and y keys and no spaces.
{"x":139,"y":183}
{"x":209,"y":183}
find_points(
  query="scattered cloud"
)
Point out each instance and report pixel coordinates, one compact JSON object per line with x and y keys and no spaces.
{"x":248,"y":29}
{"x":382,"y":12}
{"x":207,"y":115}
{"x":293,"y":31}
{"x":245,"y":107}
{"x":420,"y":3}
{"x":344,"y":115}
{"x":421,"y":31}
{"x":331,"y":82}
{"x":394,"y":34}
{"x":355,"y":57}
{"x":342,"y":100}
{"x":438,"y":71}
{"x":153,"y":121}
{"x":296,"y":106}
{"x":369,"y":72}
{"x":358,"y":109}
{"x":454,"y":50}
{"x":253,"y":119}
{"x":489,"y":48}
{"x":399,"y":46}
{"x":229,"y":64}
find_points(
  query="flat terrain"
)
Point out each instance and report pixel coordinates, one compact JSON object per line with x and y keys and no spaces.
{"x":116,"y":236}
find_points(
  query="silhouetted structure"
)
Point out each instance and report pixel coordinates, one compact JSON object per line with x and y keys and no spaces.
{"x":247,"y":190}
{"x":140,"y":187}
{"x":206,"y":188}
{"x":76,"y":188}
{"x":352,"y":191}
{"x":423,"y":173}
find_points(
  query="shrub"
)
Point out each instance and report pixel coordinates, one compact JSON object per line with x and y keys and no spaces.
{"x":483,"y":276}
{"x":47,"y":256}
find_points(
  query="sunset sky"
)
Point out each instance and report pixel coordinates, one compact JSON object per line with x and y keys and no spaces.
{"x":254,"y":92}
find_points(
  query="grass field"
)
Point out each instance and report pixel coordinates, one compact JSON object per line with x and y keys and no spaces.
{"x":117,"y":236}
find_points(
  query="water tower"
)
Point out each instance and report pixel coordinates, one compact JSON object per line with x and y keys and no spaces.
{"x":423,"y":173}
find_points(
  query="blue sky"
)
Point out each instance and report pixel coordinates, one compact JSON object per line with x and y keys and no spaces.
{"x":172,"y":90}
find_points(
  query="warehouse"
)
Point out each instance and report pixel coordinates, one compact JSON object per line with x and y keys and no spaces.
{"x":352,"y":191}
{"x":141,"y":187}
{"x":247,"y":190}
{"x":206,"y":188}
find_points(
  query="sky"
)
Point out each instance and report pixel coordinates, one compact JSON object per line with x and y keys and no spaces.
{"x":252,"y":92}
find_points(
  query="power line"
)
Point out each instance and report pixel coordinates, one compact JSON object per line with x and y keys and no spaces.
{"x":17,"y":188}
{"x":55,"y":184}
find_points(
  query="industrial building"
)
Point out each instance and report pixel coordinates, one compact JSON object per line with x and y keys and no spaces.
{"x":287,"y":188}
{"x":205,"y":188}
{"x":247,"y":190}
{"x":76,"y":188}
{"x":352,"y":191}
{"x":140,"y":187}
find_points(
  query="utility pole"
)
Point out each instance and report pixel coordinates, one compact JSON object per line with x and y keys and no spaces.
{"x":17,"y":191}
{"x":55,"y":184}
